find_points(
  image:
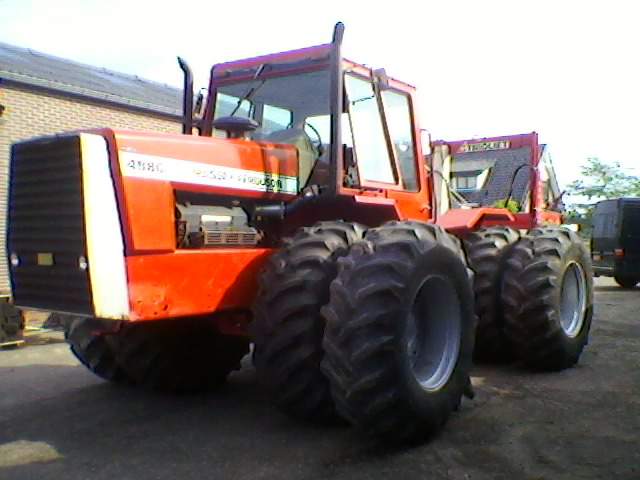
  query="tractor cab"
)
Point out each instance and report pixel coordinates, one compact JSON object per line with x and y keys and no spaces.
{"x":276,"y":101}
{"x":352,"y":128}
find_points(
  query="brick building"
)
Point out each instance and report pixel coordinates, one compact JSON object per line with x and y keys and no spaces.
{"x":43,"y":95}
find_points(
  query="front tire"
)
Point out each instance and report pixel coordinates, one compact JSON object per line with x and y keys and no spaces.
{"x":178,"y":355}
{"x":548,"y":298}
{"x":400,"y":331}
{"x":87,"y":339}
{"x":287,"y":326}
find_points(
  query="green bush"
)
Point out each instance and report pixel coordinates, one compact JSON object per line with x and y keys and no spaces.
{"x":512,"y":206}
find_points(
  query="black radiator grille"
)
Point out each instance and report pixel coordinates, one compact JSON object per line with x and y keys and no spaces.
{"x":46,"y":218}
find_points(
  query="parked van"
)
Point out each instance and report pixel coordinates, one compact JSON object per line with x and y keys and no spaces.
{"x":615,"y":240}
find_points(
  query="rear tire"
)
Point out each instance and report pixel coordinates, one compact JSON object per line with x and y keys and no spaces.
{"x":626,"y":282}
{"x":287,"y":327}
{"x":178,"y":355}
{"x":88,"y":342}
{"x":487,"y":250}
{"x":548,"y":298}
{"x":400,"y":328}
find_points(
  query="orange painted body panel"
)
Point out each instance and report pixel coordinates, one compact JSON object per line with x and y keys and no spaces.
{"x":150,"y":206}
{"x":259,"y":157}
{"x":412,"y":206}
{"x":192,"y":282}
{"x":147,"y":205}
{"x":462,"y":220}
{"x":164,"y":281}
{"x":550,"y":218}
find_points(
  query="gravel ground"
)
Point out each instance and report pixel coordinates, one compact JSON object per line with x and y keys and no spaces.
{"x":57,"y":421}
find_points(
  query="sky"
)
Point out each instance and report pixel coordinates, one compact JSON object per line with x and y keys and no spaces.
{"x":569,"y":70}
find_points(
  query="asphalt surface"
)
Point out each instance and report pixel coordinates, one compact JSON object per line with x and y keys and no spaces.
{"x":58,"y":421}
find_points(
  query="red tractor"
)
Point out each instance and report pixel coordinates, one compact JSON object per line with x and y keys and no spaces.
{"x":302,"y":219}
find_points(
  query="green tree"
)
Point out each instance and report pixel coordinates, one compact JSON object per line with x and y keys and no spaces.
{"x":600,"y":181}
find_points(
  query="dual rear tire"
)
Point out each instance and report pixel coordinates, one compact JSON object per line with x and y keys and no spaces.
{"x":547,"y":295}
{"x":378,"y":329}
{"x":487,"y":252}
{"x":400,"y":328}
{"x":534,"y":296}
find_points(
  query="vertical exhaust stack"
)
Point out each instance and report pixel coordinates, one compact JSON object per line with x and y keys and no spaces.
{"x":187,"y":98}
{"x":336,"y":106}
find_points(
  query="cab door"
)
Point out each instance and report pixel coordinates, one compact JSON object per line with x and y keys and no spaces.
{"x":388,"y":157}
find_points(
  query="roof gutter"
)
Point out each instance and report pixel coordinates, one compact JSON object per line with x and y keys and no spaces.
{"x":24,"y":80}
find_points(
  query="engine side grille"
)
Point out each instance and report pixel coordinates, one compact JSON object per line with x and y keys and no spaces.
{"x":249,"y":237}
{"x":46,"y":221}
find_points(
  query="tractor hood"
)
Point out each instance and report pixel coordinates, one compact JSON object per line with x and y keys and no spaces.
{"x":235,"y":167}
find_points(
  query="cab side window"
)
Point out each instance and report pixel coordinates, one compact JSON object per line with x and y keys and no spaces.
{"x":398,"y":114}
{"x":373,"y":160}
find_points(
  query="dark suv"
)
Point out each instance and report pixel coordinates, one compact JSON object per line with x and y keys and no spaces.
{"x":615,"y":241}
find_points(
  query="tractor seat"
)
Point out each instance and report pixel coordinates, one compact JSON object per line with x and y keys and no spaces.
{"x":306,"y":152}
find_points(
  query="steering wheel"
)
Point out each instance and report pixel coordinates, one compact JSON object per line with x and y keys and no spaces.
{"x":316,"y":142}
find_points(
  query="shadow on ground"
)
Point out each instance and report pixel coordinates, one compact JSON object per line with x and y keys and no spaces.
{"x":579,"y":423}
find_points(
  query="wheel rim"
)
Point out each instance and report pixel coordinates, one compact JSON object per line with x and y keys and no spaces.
{"x":573,"y":299}
{"x":433,"y":333}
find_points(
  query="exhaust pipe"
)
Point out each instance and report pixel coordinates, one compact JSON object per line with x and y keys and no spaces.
{"x":187,"y":98}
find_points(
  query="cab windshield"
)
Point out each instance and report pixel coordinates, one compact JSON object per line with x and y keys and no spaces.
{"x":290,"y":109}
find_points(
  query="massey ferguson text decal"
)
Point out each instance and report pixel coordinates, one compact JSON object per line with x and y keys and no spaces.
{"x":184,"y":171}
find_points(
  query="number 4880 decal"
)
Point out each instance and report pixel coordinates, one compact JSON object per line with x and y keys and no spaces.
{"x":145,"y":166}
